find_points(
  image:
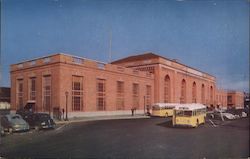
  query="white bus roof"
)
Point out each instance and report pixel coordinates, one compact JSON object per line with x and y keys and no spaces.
{"x":165,"y":104}
{"x":192,"y":106}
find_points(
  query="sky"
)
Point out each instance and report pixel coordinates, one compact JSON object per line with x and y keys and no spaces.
{"x":210,"y":35}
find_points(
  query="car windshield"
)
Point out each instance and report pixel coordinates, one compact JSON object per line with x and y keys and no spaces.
{"x":15,"y":117}
{"x":44,"y":116}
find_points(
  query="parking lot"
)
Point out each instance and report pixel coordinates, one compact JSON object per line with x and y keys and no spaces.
{"x":131,"y":138}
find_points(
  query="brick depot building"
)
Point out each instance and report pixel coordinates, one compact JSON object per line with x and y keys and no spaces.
{"x":87,"y":87}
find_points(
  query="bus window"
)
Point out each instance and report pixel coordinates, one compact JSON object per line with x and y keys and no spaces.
{"x":187,"y":113}
{"x":155,"y":107}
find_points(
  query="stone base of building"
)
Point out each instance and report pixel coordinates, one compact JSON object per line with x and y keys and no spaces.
{"x":103,"y":113}
{"x":94,"y":113}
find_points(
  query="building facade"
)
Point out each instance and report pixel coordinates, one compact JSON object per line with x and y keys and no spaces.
{"x":79,"y":86}
{"x":174,"y":82}
{"x":221,"y":98}
{"x":235,"y":99}
{"x":84,"y":87}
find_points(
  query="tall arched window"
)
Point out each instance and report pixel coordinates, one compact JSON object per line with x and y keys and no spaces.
{"x":167,"y":89}
{"x":203,"y":94}
{"x":211,"y":95}
{"x":183,"y":91}
{"x":194,"y":92}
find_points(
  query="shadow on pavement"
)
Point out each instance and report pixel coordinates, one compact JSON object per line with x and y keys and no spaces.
{"x":168,"y":124}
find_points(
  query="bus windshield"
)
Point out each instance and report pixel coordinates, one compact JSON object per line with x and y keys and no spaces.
{"x":156,"y":107}
{"x":186,"y":113}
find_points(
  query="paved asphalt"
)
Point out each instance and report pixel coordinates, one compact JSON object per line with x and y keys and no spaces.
{"x":134,"y":138}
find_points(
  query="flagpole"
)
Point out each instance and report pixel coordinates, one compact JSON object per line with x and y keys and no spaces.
{"x":110,"y":47}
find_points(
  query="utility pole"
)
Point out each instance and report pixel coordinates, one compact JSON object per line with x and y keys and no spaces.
{"x":66,"y":94}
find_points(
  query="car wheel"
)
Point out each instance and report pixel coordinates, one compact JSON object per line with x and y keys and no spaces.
{"x":37,"y":128}
{"x":2,"y":133}
{"x":10,"y":130}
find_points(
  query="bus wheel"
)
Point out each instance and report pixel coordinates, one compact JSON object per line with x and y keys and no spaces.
{"x":166,"y":115}
{"x":197,"y":123}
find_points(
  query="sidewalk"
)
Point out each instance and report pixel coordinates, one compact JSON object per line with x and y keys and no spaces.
{"x":96,"y":118}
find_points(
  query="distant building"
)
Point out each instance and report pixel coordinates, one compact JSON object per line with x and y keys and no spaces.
{"x":86,"y":87}
{"x":4,"y":98}
{"x":221,"y":98}
{"x":5,"y":94}
{"x":235,"y":99}
{"x":246,"y":100}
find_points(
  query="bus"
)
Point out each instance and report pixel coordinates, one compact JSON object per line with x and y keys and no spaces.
{"x":189,"y":115}
{"x":163,"y":109}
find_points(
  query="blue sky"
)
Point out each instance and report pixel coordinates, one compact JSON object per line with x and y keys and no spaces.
{"x":210,"y":35}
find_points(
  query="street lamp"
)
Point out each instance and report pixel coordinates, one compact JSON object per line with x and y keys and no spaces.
{"x":66,"y":94}
{"x":144,"y":104}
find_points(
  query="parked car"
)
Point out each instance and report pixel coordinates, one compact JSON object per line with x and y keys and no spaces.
{"x":40,"y":121}
{"x":229,"y":116}
{"x":215,"y":116}
{"x":238,"y":112}
{"x":14,"y":123}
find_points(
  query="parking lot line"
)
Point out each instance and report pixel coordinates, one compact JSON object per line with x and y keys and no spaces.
{"x":212,"y":123}
{"x":61,"y":127}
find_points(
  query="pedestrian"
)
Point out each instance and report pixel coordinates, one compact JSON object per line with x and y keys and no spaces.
{"x":132,"y":111}
{"x":63,"y":114}
{"x":148,"y":110}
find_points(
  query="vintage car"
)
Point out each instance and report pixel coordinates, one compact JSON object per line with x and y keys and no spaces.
{"x":14,"y":123}
{"x":40,"y":121}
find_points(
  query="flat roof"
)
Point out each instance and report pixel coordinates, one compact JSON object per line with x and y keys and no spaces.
{"x":151,"y":55}
{"x":191,"y":106}
{"x":54,"y":54}
{"x":165,"y":104}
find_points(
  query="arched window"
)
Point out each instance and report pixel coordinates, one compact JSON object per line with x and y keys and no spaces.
{"x":203,"y":94}
{"x":211,"y":95}
{"x":194,"y":92}
{"x":183,"y":91}
{"x":167,"y":89}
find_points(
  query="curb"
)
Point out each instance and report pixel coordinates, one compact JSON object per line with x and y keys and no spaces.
{"x":101,"y":118}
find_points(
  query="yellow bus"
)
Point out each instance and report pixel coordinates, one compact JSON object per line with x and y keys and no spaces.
{"x":163,"y":109}
{"x":189,"y":115}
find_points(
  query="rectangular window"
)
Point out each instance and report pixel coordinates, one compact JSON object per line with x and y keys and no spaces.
{"x":77,"y":93}
{"x":19,"y":91}
{"x":101,"y":65}
{"x":135,"y":95}
{"x":32,"y":63}
{"x":100,"y":89}
{"x":229,"y":99}
{"x":47,"y":93}
{"x":20,"y":66}
{"x":120,"y":96}
{"x":46,"y":60}
{"x":77,"y":60}
{"x":32,"y":88}
{"x":148,"y":95}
